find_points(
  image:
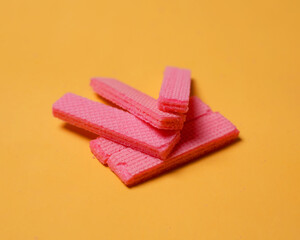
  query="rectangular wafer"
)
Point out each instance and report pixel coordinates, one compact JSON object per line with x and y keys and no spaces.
{"x":116,"y":125}
{"x":201,"y":134}
{"x":103,"y":148}
{"x":139,"y":104}
{"x":175,"y":90}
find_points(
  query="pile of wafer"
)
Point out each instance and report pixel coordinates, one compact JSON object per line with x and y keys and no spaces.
{"x":145,"y":137}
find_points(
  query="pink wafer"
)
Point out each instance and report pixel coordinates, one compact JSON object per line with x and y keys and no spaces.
{"x":175,"y":90}
{"x":200,"y":135}
{"x":115,"y":124}
{"x":137,"y":103}
{"x":197,"y":108}
{"x":103,"y":148}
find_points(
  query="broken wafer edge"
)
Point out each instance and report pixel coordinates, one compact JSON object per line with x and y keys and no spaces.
{"x":203,"y":133}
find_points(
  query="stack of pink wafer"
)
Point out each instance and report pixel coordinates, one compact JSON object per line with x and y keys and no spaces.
{"x":147,"y":136}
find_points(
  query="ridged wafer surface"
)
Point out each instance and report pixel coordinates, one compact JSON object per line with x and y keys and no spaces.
{"x":201,"y":134}
{"x":175,"y":90}
{"x":115,"y":124}
{"x":103,"y":148}
{"x":139,"y":104}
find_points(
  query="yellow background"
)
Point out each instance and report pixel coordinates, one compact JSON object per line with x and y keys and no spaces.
{"x":244,"y":57}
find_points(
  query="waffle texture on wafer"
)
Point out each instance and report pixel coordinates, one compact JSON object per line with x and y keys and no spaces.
{"x":204,"y":131}
{"x":175,"y":90}
{"x":116,"y":125}
{"x":139,"y":104}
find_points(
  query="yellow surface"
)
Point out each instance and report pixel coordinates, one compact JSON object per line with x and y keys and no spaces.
{"x":244,"y":57}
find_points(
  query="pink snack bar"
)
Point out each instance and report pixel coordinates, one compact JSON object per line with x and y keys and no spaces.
{"x":137,"y":103}
{"x":102,"y":148}
{"x":175,"y":90}
{"x":116,"y":125}
{"x":201,"y":134}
